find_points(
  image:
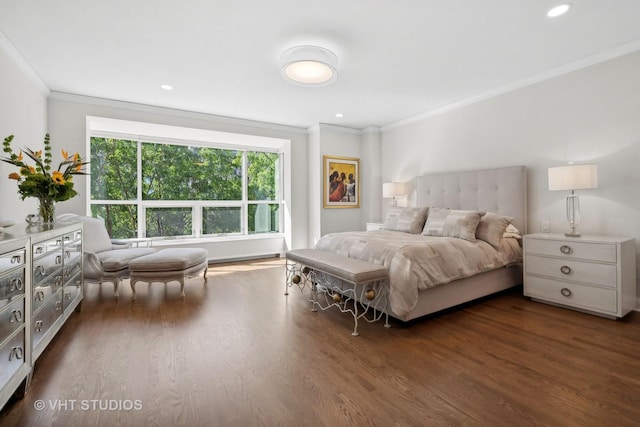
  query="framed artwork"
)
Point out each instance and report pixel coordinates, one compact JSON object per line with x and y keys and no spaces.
{"x":341,"y":182}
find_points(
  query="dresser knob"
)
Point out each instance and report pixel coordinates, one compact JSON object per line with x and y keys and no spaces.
{"x":565,"y":269}
{"x":565,"y":249}
{"x":565,"y":292}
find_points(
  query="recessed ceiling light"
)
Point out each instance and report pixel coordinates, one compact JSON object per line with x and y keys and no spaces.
{"x":309,"y":66}
{"x":559,"y":10}
{"x":339,"y":115}
{"x":166,"y":87}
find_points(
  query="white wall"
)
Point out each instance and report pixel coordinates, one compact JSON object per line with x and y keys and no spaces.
{"x":589,"y":115}
{"x":339,"y":142}
{"x":67,"y":125}
{"x":23,"y":113}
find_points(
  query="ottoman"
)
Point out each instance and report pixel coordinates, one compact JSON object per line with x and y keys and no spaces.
{"x":167,"y":265}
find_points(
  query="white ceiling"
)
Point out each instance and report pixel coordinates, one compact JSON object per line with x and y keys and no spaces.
{"x":398,"y":59}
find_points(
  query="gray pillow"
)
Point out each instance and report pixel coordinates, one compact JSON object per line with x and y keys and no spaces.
{"x":457,"y":223}
{"x":492,"y":227}
{"x":407,"y":220}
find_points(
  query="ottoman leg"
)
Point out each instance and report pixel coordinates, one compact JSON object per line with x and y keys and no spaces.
{"x":181,"y":280}
{"x":133,"y":289}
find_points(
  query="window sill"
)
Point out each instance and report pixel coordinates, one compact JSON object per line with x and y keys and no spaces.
{"x":158,"y":242}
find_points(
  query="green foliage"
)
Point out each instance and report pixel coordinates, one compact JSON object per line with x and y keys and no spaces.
{"x":173,"y":172}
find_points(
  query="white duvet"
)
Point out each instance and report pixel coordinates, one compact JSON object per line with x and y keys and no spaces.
{"x":419,"y":262}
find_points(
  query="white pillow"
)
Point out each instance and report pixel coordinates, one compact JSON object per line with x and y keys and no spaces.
{"x":492,"y":227}
{"x":452,"y":223}
{"x":407,"y":220}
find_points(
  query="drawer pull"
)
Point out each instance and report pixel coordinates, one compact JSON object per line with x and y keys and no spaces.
{"x":58,"y":259}
{"x":16,"y":285}
{"x":16,"y":352}
{"x":565,"y":292}
{"x":38,"y":250}
{"x":566,"y":249}
{"x":16,"y":259}
{"x":59,"y":242}
{"x":16,"y":316}
{"x":38,"y":326}
{"x":58,"y":305}
{"x":41,"y":270}
{"x":59,"y":280}
{"x":565,"y":269}
{"x":40,"y":296}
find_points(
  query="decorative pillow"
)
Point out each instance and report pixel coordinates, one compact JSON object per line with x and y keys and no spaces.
{"x":452,"y":223}
{"x":512,"y":232}
{"x":492,"y":227}
{"x":407,"y":220}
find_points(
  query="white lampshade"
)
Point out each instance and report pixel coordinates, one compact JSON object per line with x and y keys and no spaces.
{"x":392,"y":189}
{"x":573,"y":177}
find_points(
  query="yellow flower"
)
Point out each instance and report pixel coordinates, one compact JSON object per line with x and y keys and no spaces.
{"x":65,"y":155}
{"x":58,"y":177}
{"x":32,"y":170}
{"x":76,"y":158}
{"x":14,"y":175}
{"x":20,"y":157}
{"x":79,"y":167}
{"x":37,"y":153}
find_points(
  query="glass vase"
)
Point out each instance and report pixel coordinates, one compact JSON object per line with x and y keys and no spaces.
{"x":47,"y":210}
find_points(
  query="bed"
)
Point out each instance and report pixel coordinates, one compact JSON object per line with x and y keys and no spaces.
{"x":501,"y":192}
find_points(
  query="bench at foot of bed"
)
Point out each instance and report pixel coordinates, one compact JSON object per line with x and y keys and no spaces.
{"x":351,"y":285}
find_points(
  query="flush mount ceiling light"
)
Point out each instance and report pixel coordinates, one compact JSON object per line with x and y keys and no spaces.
{"x":309,"y":66}
{"x":166,"y":87}
{"x":559,"y":10}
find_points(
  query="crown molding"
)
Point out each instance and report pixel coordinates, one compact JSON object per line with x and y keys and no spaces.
{"x":112,"y":103}
{"x":22,"y":64}
{"x":609,"y":54}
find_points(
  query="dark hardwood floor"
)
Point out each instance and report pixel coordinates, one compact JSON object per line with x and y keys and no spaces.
{"x":237,"y":352}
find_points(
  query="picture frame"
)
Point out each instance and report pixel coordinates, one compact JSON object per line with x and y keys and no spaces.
{"x":341,"y":186}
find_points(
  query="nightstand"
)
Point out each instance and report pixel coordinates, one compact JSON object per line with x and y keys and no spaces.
{"x":594,"y":274}
{"x":372,"y":226}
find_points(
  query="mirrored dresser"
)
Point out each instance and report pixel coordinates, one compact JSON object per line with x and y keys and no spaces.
{"x":40,"y":287}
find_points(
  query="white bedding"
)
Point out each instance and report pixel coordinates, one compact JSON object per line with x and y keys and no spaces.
{"x":419,"y":262}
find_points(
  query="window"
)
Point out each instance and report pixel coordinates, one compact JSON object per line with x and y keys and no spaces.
{"x":179,"y":189}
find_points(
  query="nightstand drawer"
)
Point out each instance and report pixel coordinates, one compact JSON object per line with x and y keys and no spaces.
{"x":569,"y":249}
{"x":573,"y":294}
{"x":567,"y":269}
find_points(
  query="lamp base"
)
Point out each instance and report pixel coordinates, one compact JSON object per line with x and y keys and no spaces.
{"x":572,"y":234}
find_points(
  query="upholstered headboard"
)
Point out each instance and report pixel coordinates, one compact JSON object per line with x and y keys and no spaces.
{"x":502,"y":190}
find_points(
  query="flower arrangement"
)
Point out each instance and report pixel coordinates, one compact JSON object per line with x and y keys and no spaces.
{"x":37,"y":180}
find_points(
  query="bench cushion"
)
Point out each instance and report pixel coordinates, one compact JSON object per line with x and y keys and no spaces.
{"x":170,"y":259}
{"x":353,"y":270}
{"x":119,"y":259}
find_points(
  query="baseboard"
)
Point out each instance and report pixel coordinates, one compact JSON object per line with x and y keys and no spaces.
{"x":243,"y":258}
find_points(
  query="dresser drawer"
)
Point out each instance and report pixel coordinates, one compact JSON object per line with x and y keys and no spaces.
{"x":572,"y":294}
{"x":11,"y":285}
{"x":45,"y":317}
{"x":42,"y":248}
{"x":12,"y":260}
{"x":46,"y":265}
{"x":603,"y":252}
{"x":12,"y":355}
{"x":567,"y":269}
{"x":11,"y":318}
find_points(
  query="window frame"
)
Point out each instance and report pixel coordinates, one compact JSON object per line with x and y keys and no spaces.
{"x":196,"y":205}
